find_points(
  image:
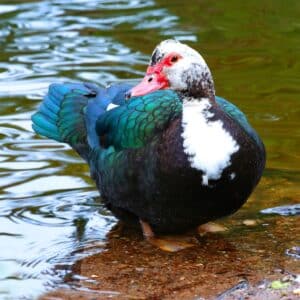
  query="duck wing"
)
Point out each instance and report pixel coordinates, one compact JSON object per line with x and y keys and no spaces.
{"x":236,"y":114}
{"x":134,"y":124}
{"x":69,"y":111}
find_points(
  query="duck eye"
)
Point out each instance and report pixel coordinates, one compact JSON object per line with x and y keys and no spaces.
{"x":174,"y":59}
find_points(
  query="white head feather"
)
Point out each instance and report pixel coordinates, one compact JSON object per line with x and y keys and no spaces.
{"x":190,"y":70}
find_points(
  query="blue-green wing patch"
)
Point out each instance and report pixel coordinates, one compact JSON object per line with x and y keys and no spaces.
{"x":134,"y":124}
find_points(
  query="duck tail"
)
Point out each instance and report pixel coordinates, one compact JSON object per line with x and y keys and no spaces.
{"x":61,"y":116}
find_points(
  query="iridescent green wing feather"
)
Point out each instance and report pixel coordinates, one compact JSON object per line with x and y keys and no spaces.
{"x":61,"y":114}
{"x":134,"y":124}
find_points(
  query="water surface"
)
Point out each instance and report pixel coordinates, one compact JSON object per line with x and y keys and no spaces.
{"x":49,"y":207}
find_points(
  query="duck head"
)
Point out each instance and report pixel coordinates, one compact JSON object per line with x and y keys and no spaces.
{"x":176,"y":66}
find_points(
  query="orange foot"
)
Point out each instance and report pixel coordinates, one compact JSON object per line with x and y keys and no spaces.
{"x":166,"y":243}
{"x":210,"y":227}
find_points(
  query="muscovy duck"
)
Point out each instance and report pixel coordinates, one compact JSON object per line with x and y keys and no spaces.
{"x":167,"y":153}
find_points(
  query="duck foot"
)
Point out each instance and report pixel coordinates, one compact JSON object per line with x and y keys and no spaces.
{"x":210,"y":227}
{"x":163,"y":243}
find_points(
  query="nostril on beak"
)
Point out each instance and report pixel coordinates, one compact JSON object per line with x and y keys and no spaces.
{"x":128,"y":95}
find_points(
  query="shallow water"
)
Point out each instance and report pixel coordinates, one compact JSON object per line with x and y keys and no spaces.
{"x":49,"y":207}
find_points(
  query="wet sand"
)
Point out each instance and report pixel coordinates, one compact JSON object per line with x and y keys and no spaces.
{"x":239,"y":262}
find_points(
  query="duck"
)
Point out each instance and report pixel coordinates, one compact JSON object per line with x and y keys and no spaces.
{"x":166,"y":154}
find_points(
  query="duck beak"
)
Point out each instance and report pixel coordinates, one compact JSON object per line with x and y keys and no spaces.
{"x":153,"y":81}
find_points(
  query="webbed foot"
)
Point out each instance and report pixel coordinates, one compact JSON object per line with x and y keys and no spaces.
{"x":169,"y":244}
{"x":210,"y":227}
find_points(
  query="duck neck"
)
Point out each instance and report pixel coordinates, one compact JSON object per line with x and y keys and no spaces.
{"x":198,"y":96}
{"x":200,"y":87}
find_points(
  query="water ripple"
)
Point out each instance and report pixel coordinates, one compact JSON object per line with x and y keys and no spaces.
{"x":50,"y":211}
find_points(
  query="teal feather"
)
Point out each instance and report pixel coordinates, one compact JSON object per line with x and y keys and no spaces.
{"x":43,"y":121}
{"x":52,"y":106}
{"x":44,"y":109}
{"x":45,"y":132}
{"x":135,"y":123}
{"x":69,"y":112}
{"x":61,"y":116}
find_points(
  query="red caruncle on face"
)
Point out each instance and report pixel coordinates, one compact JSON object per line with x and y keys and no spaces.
{"x":155,"y":78}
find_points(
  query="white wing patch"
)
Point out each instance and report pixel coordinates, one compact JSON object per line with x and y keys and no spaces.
{"x":111,"y":106}
{"x":208,"y":145}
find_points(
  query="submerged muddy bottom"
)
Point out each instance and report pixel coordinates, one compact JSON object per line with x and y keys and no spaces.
{"x":242,"y":261}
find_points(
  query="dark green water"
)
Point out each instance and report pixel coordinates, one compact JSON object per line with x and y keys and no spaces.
{"x":49,"y":207}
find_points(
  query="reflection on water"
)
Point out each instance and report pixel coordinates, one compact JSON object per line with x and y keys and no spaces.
{"x":49,"y":208}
